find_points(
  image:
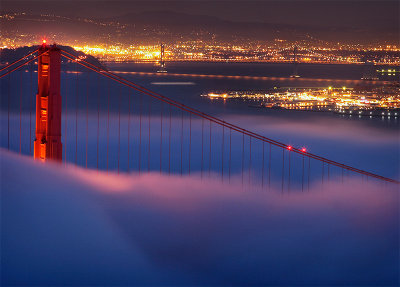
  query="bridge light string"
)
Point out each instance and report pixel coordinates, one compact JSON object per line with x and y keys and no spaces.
{"x":218,"y":121}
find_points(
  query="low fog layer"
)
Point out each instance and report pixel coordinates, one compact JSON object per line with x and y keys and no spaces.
{"x":69,"y":226}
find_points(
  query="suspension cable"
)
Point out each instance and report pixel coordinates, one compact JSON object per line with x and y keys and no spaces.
{"x":217,"y":120}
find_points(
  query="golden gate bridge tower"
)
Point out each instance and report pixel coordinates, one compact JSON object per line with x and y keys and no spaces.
{"x":47,"y":145}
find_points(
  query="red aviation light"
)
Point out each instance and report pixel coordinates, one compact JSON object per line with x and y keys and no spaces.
{"x":289,"y":147}
{"x":303,"y":149}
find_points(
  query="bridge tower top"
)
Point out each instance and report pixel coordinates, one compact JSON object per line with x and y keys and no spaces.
{"x":47,"y":145}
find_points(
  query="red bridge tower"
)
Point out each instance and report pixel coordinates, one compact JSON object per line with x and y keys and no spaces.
{"x":47,"y":145}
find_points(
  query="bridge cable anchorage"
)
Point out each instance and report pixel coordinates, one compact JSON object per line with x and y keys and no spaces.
{"x":219,"y":121}
{"x":19,"y":60}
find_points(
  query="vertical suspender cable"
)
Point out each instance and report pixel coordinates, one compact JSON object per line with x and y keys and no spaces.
{"x":309,"y":172}
{"x":230,"y":153}
{"x":8,"y":114}
{"x":202,"y":147}
{"x":98,"y":124}
{"x":329,"y":174}
{"x":140,"y":130}
{"x":20,"y":112}
{"x":30,"y":107}
{"x":302,"y":176}
{"x":87,"y":115}
{"x":129,"y":127}
{"x":108,"y":118}
{"x":76,"y":117}
{"x":190,"y":140}
{"x":262,"y":169}
{"x":209,"y":160}
{"x":289,"y":171}
{"x":250,"y":160}
{"x":242,"y":158}
{"x":148,"y":151}
{"x":269,"y":166}
{"x":222,"y":153}
{"x":283,"y":167}
{"x":161,"y":134}
{"x":66,"y":118}
{"x":119,"y":126}
{"x":169,"y":140}
{"x":182,"y":143}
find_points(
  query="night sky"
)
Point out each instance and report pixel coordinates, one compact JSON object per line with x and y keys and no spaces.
{"x":355,"y":14}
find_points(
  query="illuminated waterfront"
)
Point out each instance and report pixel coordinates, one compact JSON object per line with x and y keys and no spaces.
{"x":382,"y":101}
